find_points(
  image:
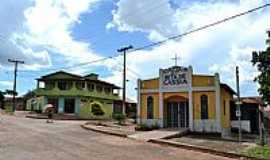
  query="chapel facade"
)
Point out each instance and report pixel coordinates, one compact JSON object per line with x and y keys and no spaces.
{"x":178,"y":98}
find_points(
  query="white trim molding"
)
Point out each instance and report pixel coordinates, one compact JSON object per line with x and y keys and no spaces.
{"x":209,"y":88}
{"x":149,"y":91}
{"x":218,"y":99}
{"x":161,"y":108}
{"x":139,"y":101}
{"x":171,"y":90}
{"x":161,"y":102}
{"x":190,"y":99}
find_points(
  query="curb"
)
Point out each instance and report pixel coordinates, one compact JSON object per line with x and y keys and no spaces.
{"x":56,"y":119}
{"x":35,"y":117}
{"x":104,"y":132}
{"x":179,"y":145}
{"x":202,"y":149}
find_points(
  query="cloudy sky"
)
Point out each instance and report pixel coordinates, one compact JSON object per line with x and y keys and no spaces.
{"x":55,"y":34}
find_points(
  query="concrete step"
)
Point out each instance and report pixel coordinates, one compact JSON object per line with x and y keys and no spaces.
{"x":159,"y":134}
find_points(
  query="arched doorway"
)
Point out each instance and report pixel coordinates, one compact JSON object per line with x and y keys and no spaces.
{"x":176,"y":112}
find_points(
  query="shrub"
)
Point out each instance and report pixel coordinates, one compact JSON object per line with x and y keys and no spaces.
{"x":144,"y":127}
{"x":96,"y":110}
{"x":259,"y":152}
{"x":119,"y":117}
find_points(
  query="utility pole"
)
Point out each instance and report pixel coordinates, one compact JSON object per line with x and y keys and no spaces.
{"x":261,"y":126}
{"x":16,"y":62}
{"x":124,"y":50}
{"x":238,"y":103}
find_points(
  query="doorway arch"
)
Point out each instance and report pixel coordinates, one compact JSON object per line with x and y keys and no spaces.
{"x":176,"y":112}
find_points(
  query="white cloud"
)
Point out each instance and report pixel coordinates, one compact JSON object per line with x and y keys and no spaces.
{"x":34,"y":30}
{"x":137,"y":15}
{"x":217,"y":49}
{"x":11,"y":18}
{"x":6,"y":83}
{"x":49,"y":24}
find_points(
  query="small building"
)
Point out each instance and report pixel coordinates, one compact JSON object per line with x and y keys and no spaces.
{"x":84,"y":96}
{"x":130,"y":108}
{"x":250,"y":110}
{"x":20,"y":103}
{"x":178,"y":98}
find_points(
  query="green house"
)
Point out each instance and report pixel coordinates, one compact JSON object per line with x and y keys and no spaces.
{"x":83,"y":96}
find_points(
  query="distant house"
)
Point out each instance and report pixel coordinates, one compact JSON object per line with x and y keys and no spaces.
{"x":20,"y":103}
{"x":249,"y":114}
{"x":131,"y":108}
{"x":83,"y":96}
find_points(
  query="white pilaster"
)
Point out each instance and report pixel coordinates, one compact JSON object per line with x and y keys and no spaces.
{"x":218,"y":97}
{"x":161,"y":107}
{"x":190,"y":101}
{"x":139,"y":101}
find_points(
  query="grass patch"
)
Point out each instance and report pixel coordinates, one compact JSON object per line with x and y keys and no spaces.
{"x":8,"y":109}
{"x":260,"y":152}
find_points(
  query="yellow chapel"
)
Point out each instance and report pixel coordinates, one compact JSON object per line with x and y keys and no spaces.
{"x":178,"y":98}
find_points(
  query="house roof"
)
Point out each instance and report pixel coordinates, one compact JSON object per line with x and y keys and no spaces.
{"x":227,"y":87}
{"x":62,"y":75}
{"x":51,"y":76}
{"x":253,"y":100}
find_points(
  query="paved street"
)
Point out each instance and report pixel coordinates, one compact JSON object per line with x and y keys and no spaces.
{"x":31,"y":139}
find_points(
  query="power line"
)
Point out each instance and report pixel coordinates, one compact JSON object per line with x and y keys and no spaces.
{"x":200,"y":28}
{"x":171,"y":37}
{"x":72,"y":66}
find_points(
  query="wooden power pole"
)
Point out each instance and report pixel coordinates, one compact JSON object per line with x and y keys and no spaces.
{"x":238,"y":103}
{"x":124,"y":50}
{"x":16,"y":62}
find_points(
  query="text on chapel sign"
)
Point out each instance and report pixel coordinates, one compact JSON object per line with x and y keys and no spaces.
{"x":174,"y":77}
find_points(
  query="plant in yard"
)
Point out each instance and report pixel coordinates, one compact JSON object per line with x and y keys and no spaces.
{"x":259,"y":152}
{"x":261,"y":60}
{"x":97,"y":110}
{"x":155,"y":126}
{"x":145,"y":127}
{"x":119,"y":117}
{"x":142,"y":127}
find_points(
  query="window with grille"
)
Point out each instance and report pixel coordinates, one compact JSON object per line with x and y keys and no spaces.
{"x":150,"y":108}
{"x":204,"y":107}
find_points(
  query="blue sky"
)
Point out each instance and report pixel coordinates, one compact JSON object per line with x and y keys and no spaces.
{"x":52,"y":34}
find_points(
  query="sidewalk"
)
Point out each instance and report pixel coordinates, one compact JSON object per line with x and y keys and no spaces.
{"x":158,"y":134}
{"x":129,"y":131}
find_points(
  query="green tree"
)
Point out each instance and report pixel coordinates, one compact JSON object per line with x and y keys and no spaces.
{"x":261,"y":59}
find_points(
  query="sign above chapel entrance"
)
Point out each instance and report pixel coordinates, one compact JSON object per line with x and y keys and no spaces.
{"x":174,"y":77}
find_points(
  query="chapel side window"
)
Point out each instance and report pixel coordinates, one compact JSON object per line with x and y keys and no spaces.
{"x":150,"y":108}
{"x":204,"y":107}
